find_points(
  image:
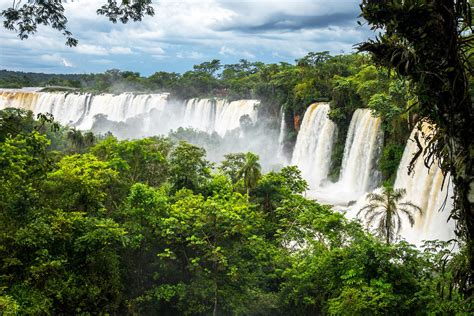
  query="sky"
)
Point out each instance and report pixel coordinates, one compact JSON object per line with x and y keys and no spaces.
{"x":187,"y":32}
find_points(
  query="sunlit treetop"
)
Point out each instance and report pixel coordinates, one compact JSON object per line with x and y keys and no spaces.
{"x":24,"y":18}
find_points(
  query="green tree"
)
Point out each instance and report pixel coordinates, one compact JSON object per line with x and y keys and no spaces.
{"x":76,"y":140}
{"x":81,"y":183}
{"x":231,"y":166}
{"x":250,"y":171}
{"x":386,"y":208}
{"x":188,"y":167}
{"x":142,"y":160}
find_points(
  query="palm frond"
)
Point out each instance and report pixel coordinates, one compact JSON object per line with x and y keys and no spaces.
{"x":409,"y":215}
{"x":376,"y":197}
{"x":414,"y":206}
{"x":399,"y":194}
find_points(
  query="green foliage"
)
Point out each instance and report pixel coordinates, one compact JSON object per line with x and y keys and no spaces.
{"x":391,"y":157}
{"x":80,"y":184}
{"x":142,"y":160}
{"x":102,"y":226}
{"x":189,"y":169}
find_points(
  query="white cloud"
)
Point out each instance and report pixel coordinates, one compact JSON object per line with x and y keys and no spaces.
{"x":67,"y":63}
{"x":183,"y":31}
{"x":190,"y":55}
{"x":88,"y":49}
{"x":119,"y":50}
{"x":102,"y":61}
{"x":228,"y":51}
{"x":56,"y":59}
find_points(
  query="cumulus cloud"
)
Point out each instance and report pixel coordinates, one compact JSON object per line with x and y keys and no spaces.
{"x":88,"y":49}
{"x":186,"y":32}
{"x":228,"y":51}
{"x":120,"y":50}
{"x":190,"y":55}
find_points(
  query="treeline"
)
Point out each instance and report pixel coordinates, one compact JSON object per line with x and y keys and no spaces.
{"x":99,"y":226}
{"x":18,"y":79}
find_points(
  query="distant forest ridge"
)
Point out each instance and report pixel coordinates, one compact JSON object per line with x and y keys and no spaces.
{"x":20,"y":79}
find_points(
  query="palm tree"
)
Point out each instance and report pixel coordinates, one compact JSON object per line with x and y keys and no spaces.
{"x":89,"y":139}
{"x":386,"y":208}
{"x":250,"y":171}
{"x":76,"y":139}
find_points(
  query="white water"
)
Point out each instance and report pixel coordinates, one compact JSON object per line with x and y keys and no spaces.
{"x":157,"y":113}
{"x":202,"y":114}
{"x":228,"y":117}
{"x":281,"y":137}
{"x":363,"y":144}
{"x":359,"y":173}
{"x":312,"y":153}
{"x":424,"y":188}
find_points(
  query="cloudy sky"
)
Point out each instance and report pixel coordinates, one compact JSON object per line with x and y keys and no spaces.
{"x":187,"y":32}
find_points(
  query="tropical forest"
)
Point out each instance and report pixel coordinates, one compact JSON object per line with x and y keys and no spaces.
{"x":213,"y":157}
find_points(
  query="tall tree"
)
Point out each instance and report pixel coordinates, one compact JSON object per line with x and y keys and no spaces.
{"x":250,"y":171}
{"x":431,"y":42}
{"x":386,"y":208}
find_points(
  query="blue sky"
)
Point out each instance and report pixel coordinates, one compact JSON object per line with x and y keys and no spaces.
{"x":187,"y":32}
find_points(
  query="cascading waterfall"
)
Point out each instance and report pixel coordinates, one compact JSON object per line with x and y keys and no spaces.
{"x":200,"y":114}
{"x":312,"y":153}
{"x":361,"y":153}
{"x":157,"y":115}
{"x":281,"y":137}
{"x":218,"y":115}
{"x":359,"y":172}
{"x":425,"y":188}
{"x":228,"y":118}
{"x":79,"y":110}
{"x":23,"y":100}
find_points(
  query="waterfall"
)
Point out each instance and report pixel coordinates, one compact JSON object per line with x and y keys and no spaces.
{"x":361,"y":153}
{"x":228,"y":118}
{"x":81,"y":110}
{"x":312,"y":153}
{"x":200,"y":114}
{"x":281,"y":137}
{"x":217,"y":115}
{"x":425,"y":188}
{"x":23,"y":100}
{"x":115,"y":107}
{"x":359,"y":172}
